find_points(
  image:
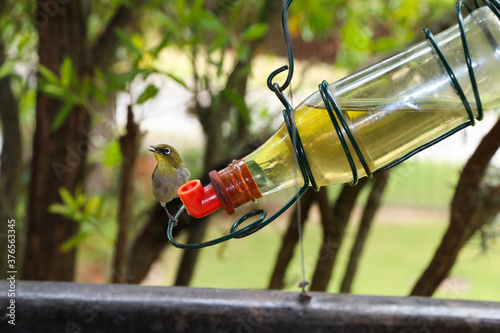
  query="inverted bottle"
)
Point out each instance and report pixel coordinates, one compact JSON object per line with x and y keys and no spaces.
{"x":391,"y":109}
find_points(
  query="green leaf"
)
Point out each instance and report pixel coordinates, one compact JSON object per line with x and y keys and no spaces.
{"x":23,"y":42}
{"x":119,"y":81}
{"x":86,"y":87}
{"x":178,"y":80}
{"x":66,"y":71}
{"x":127,"y":41}
{"x":55,"y":91}
{"x":48,"y":75}
{"x":306,"y":32}
{"x":61,"y":209}
{"x":98,"y":95}
{"x":6,"y":68}
{"x":62,"y":115}
{"x":79,"y":198}
{"x":94,"y":206}
{"x":112,"y":154}
{"x":180,"y":6}
{"x":73,"y":241}
{"x":219,"y":43}
{"x":66,"y":196}
{"x":98,"y":88}
{"x":208,"y":21}
{"x":148,"y":93}
{"x":138,"y":41}
{"x":255,"y":31}
{"x":170,"y":25}
{"x":92,"y":223}
{"x":162,"y":45}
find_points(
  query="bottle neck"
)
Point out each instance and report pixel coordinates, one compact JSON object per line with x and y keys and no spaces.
{"x":234,"y":186}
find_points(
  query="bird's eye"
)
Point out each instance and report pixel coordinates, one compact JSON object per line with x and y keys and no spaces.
{"x":166,"y":151}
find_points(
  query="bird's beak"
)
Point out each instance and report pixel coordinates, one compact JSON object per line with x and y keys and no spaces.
{"x":154,"y":150}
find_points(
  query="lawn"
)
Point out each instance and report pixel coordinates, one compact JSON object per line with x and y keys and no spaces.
{"x":396,"y":253}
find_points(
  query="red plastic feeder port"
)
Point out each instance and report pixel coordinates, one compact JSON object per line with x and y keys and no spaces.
{"x":198,"y":200}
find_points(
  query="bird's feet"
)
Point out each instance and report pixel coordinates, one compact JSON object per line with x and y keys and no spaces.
{"x":171,"y":218}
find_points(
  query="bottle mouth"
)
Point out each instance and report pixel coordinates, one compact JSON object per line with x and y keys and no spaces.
{"x":234,"y":186}
{"x":230,"y":188}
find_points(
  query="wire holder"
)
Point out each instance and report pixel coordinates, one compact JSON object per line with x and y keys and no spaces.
{"x":340,"y":124}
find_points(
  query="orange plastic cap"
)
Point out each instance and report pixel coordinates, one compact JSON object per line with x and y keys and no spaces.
{"x":198,"y":200}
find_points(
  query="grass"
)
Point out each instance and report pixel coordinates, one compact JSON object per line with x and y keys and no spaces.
{"x":395,"y":256}
{"x":422,"y":185}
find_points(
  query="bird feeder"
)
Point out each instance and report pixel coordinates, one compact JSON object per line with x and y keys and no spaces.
{"x":367,"y":122}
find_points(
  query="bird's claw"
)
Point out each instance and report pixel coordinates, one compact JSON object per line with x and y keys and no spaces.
{"x":173,"y":220}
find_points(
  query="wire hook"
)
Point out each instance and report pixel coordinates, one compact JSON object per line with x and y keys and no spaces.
{"x":274,"y":86}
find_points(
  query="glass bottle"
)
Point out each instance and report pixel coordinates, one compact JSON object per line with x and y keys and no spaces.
{"x":391,"y":108}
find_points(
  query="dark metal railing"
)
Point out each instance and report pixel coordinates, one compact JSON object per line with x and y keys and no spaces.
{"x":74,"y":307}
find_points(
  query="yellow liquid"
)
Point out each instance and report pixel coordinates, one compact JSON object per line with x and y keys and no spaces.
{"x":382,"y":136}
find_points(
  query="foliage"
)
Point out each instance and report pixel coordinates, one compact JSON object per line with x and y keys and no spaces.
{"x":20,"y":39}
{"x":68,"y":87}
{"x":365,"y":27}
{"x":208,"y":37}
{"x":218,"y":39}
{"x":87,"y":211}
{"x":215,"y":37}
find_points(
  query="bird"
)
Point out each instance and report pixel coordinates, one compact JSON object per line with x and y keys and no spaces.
{"x":169,"y":174}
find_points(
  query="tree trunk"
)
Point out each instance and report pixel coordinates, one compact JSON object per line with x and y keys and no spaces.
{"x":190,"y":256}
{"x":334,"y":225}
{"x":289,"y":241}
{"x":10,"y":172}
{"x":467,"y":214}
{"x":373,"y":203}
{"x":152,"y":239}
{"x":129,"y":145}
{"x":58,"y":156}
{"x":149,"y":243}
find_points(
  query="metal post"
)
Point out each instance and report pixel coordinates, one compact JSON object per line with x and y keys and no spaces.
{"x":73,"y":307}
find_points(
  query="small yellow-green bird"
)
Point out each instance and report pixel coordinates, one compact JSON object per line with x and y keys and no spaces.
{"x":170,"y":174}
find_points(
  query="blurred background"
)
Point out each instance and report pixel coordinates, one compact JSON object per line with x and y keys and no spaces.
{"x":87,"y":86}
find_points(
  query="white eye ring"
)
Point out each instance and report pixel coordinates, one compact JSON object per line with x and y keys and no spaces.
{"x":166,"y":151}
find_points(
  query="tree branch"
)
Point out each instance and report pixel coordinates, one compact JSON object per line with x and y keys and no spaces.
{"x":334,"y":225}
{"x":129,"y":145}
{"x":289,"y":241}
{"x":371,"y":207}
{"x":466,"y":210}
